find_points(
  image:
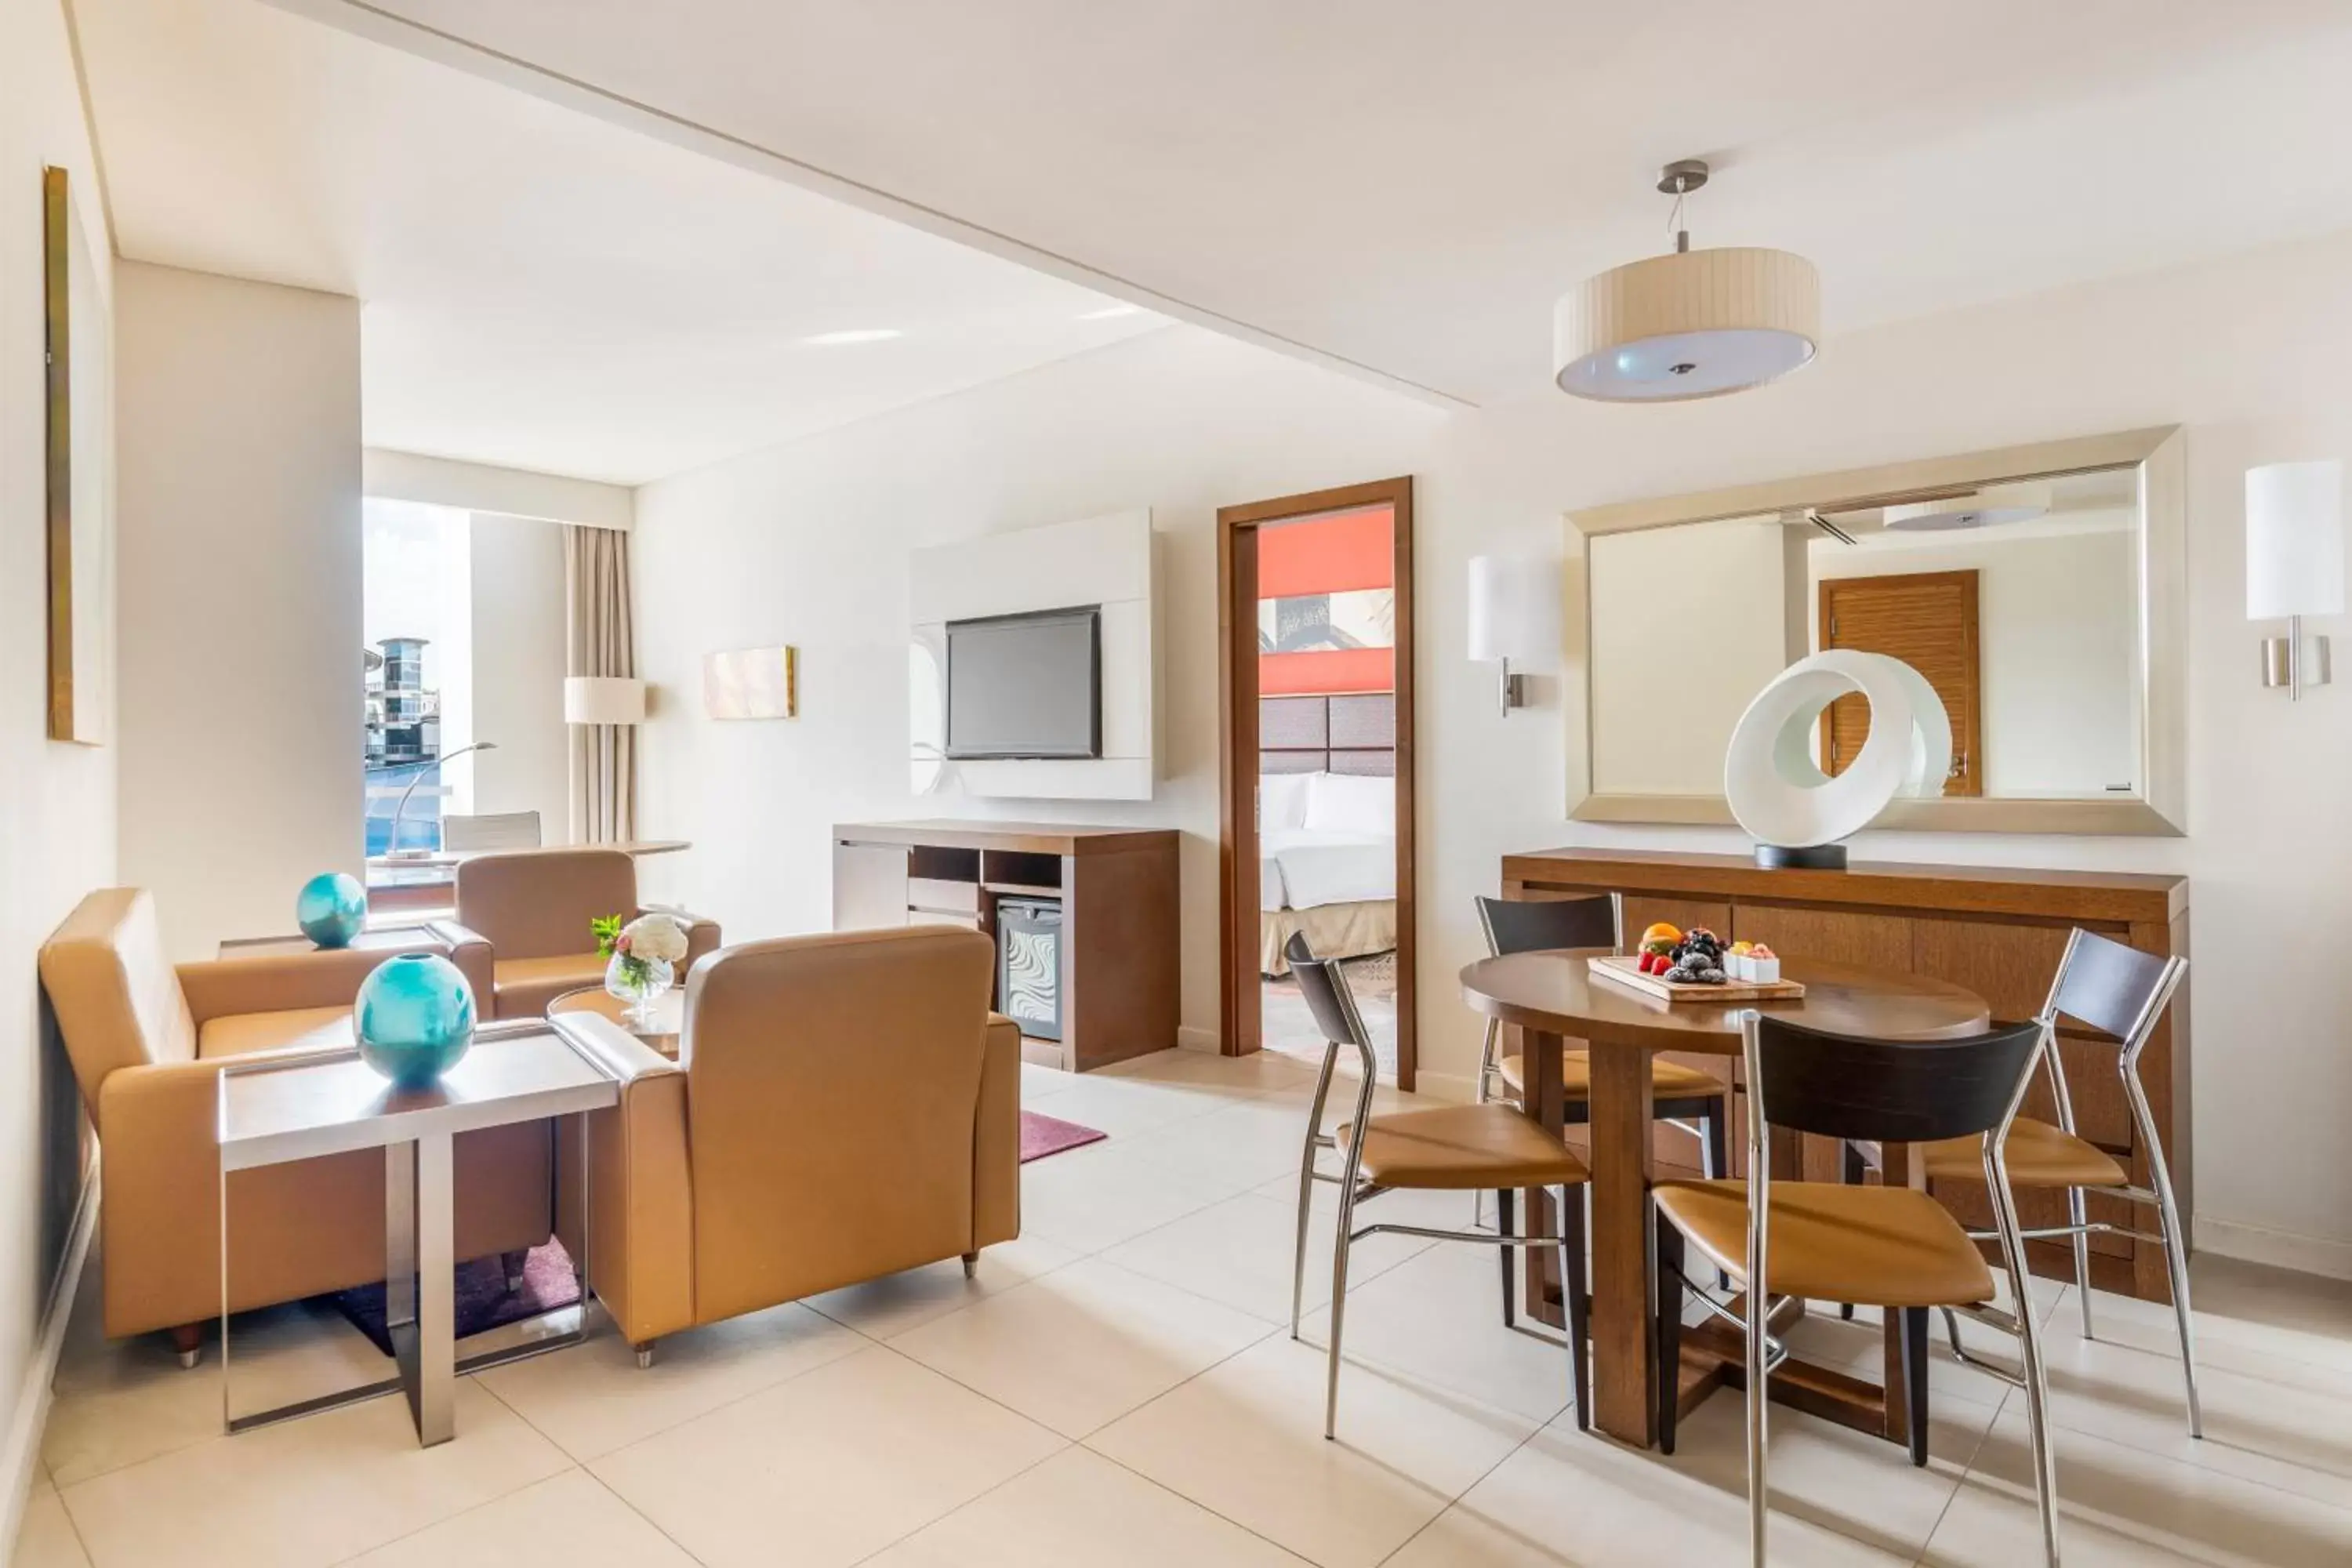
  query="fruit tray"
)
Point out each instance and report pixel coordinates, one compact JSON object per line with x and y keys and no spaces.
{"x":1626,"y":971}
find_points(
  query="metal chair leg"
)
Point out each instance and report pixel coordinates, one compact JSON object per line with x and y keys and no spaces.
{"x":1306,"y":1184}
{"x":1487,"y":1060}
{"x":1348,"y":1179}
{"x":2078,"y":1217}
{"x":2175,"y":1268}
{"x":1758,"y":1315}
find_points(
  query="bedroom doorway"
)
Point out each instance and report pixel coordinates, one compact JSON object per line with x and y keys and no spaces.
{"x":1315,"y":763}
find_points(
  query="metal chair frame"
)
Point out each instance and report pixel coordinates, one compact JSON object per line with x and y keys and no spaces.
{"x":2032,"y":1379}
{"x":1354,"y":1190}
{"x":1704,"y":1119}
{"x":2079,"y":1228}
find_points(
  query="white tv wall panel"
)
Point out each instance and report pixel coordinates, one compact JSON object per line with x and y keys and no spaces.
{"x":1105,"y":561}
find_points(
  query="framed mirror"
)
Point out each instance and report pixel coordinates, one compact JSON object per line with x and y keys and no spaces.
{"x":2040,"y":589}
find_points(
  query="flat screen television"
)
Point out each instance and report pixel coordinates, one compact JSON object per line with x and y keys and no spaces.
{"x":1026,"y":686}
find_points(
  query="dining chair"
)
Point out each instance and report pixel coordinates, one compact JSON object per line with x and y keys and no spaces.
{"x":1684,"y":1096}
{"x":1453,"y":1148}
{"x":2122,"y":992}
{"x":1890,"y":1246}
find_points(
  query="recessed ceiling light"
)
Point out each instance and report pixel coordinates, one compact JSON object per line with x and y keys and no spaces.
{"x":1112,"y":312}
{"x":855,"y":335}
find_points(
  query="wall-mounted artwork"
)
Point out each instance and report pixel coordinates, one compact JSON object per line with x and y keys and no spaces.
{"x":80,"y":481}
{"x":753,"y":683}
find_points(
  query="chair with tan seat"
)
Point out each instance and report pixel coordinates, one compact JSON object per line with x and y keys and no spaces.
{"x":1893,"y":1247}
{"x":535,"y":909}
{"x":148,"y":1041}
{"x":1684,"y":1096}
{"x":841,"y":1107}
{"x":2122,"y":992}
{"x":1454,"y":1147}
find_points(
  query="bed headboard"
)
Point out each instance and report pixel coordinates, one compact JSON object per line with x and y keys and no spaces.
{"x":1350,"y":733}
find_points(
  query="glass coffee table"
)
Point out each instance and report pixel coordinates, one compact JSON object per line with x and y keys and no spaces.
{"x":665,"y":1020}
{"x":274,"y":1114}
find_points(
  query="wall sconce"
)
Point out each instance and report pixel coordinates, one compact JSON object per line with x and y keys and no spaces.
{"x":2294,"y":564}
{"x":1513,"y":610}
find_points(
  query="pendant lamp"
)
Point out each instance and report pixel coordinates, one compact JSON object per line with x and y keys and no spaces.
{"x":1691,"y":323}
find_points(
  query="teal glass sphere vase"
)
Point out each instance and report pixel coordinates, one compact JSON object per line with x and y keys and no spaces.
{"x":332,"y":909}
{"x":415,"y":1018}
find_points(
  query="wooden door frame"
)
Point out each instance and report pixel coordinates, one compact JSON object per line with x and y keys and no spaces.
{"x":1239,"y":1017}
{"x":1965,"y":577}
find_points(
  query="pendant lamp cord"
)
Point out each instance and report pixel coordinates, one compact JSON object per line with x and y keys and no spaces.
{"x":1674,"y":218}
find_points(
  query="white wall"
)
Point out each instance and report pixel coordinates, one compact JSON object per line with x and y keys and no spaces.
{"x":2057,"y":638}
{"x":238,"y":431}
{"x":805,"y":543}
{"x":56,"y":800}
{"x":518,"y":654}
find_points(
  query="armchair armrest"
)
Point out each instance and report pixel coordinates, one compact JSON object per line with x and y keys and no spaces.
{"x":471,"y":951}
{"x":641,"y":1220}
{"x":221,"y":987}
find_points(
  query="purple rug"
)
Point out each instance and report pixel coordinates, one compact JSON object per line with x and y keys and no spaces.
{"x":1044,"y":1135}
{"x":484,"y":1301}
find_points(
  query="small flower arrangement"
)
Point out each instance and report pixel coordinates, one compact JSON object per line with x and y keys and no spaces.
{"x":635,"y":948}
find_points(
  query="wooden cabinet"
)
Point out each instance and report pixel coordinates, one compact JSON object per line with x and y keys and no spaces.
{"x":1115,"y":890}
{"x":1998,"y":932}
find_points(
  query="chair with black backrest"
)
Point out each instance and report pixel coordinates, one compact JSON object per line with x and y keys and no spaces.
{"x":1890,"y":1246}
{"x":2123,"y":992}
{"x":1690,"y":1098}
{"x":1453,"y":1148}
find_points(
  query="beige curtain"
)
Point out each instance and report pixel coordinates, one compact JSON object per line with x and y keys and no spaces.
{"x":600,"y":642}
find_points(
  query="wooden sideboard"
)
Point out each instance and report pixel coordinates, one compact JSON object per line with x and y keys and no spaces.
{"x":2000,"y":933}
{"x":1117,"y":889}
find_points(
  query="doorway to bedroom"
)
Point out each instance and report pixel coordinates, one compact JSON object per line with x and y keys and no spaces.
{"x":1315,"y":764}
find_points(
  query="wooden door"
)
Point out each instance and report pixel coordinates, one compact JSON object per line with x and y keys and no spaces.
{"x":1928,"y":620}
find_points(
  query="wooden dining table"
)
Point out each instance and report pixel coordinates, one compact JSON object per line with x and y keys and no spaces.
{"x":1553,"y":997}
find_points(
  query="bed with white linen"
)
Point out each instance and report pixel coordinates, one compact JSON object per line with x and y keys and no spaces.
{"x":1326,"y":847}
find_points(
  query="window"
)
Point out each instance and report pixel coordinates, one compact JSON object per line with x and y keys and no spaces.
{"x":417,"y":622}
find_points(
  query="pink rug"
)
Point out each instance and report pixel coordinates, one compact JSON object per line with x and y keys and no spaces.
{"x":1044,"y":1135}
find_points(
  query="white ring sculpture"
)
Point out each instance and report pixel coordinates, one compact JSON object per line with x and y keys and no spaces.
{"x":1776,"y":788}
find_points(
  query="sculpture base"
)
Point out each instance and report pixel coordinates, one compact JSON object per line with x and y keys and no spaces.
{"x":1810,"y":857}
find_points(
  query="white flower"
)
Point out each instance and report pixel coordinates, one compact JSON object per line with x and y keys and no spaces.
{"x":655,"y":937}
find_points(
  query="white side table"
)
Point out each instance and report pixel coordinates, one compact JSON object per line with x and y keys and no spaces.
{"x":274,"y":1112}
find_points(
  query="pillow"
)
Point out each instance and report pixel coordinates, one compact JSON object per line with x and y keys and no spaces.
{"x":1350,"y":803}
{"x":1282,"y":800}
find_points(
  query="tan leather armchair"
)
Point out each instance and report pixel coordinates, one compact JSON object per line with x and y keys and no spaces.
{"x":148,"y":1042}
{"x":533,"y":908}
{"x":843,"y":1107}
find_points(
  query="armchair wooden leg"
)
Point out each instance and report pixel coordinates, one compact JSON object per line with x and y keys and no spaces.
{"x":644,"y":1353}
{"x":188,"y":1342}
{"x":511,"y":1264}
{"x":972,"y":1265}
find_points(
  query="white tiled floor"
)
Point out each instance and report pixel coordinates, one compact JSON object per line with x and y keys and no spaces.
{"x":1117,"y":1387}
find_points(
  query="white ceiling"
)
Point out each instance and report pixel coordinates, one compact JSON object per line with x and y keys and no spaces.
{"x":1407,"y":184}
{"x":541,"y":289}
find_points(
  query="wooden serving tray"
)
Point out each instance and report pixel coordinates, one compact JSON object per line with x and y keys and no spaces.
{"x":1626,"y":971}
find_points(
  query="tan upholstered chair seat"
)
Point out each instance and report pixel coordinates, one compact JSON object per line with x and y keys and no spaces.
{"x":301,"y":1028}
{"x":526,"y":985}
{"x":1875,"y":1246}
{"x":1668,"y":1080}
{"x":1463,"y":1148}
{"x":2038,"y":1154}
